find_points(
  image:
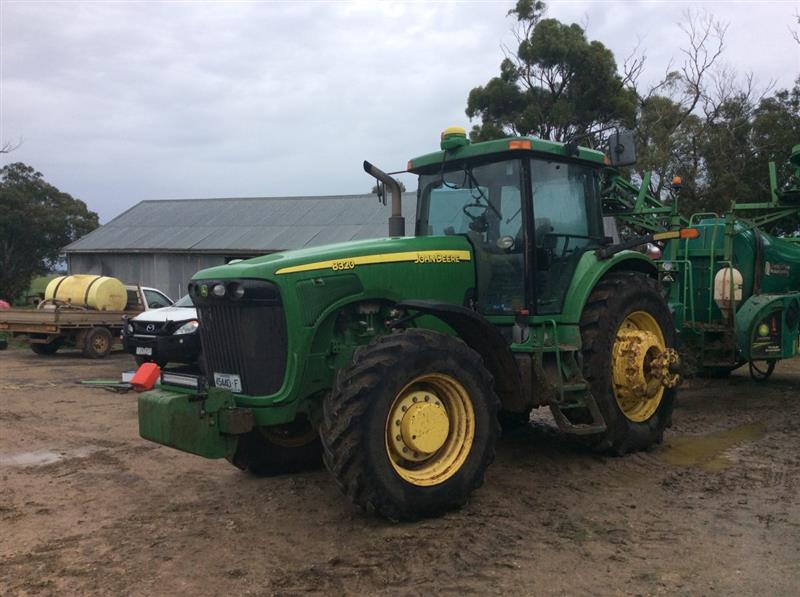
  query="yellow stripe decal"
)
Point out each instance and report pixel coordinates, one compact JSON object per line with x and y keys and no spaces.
{"x":667,"y":235}
{"x":346,"y":263}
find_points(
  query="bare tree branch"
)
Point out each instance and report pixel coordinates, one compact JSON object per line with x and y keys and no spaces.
{"x":9,"y":146}
{"x":633,"y":65}
{"x":706,"y":42}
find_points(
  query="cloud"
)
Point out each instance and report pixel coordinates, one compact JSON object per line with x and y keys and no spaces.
{"x":119,"y":102}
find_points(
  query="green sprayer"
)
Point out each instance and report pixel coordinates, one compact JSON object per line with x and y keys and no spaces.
{"x":734,"y":289}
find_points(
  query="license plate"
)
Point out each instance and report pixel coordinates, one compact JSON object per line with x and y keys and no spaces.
{"x":145,"y":350}
{"x":228,"y":381}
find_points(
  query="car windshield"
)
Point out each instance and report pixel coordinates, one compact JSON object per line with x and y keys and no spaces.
{"x":184,"y":301}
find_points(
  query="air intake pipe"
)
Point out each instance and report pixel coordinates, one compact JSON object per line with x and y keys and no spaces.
{"x":397,"y":223}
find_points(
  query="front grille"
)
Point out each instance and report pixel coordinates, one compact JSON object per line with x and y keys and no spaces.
{"x":147,"y":327}
{"x":245,"y":338}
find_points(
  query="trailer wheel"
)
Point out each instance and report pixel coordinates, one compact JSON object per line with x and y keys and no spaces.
{"x":625,"y":326}
{"x":97,"y":343}
{"x":269,"y":451}
{"x":759,"y":374}
{"x":411,"y":426}
{"x":48,"y":349}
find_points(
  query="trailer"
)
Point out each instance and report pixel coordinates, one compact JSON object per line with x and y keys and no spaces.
{"x":53,"y":324}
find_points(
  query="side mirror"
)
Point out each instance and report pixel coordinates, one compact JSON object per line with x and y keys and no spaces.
{"x":621,"y":148}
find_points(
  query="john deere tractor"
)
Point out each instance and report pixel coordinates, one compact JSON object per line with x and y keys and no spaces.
{"x":396,"y":360}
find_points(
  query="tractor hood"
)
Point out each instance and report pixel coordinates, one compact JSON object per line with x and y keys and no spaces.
{"x":391,"y":269}
{"x":360,"y":257}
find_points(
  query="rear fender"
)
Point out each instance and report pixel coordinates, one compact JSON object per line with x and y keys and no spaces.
{"x":591,"y":270}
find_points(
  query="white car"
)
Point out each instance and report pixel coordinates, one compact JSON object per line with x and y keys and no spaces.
{"x":164,"y":335}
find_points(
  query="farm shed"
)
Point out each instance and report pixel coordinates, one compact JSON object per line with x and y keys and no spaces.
{"x":163,"y":243}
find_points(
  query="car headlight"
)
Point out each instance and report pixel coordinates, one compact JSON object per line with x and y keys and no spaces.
{"x":130,"y":328}
{"x":187,"y":328}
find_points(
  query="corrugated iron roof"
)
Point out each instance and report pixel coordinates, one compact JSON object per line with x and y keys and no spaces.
{"x":257,"y":224}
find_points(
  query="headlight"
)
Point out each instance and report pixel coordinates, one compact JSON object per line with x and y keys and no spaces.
{"x":187,"y":328}
{"x":130,"y":328}
{"x":236,"y":289}
{"x":218,"y":290}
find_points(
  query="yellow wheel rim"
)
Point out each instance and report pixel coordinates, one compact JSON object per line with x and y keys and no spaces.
{"x":640,"y":365}
{"x":430,"y":429}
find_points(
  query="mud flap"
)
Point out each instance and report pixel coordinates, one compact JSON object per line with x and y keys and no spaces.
{"x":207,"y":425}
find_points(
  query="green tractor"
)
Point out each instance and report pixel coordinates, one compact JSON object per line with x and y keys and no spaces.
{"x":396,"y":360}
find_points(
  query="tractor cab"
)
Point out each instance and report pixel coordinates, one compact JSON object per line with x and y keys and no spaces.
{"x":529,"y":209}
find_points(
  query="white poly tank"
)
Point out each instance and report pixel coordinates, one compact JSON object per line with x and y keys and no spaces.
{"x":727,"y":289}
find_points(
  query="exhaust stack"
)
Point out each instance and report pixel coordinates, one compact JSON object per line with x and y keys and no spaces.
{"x":397,"y":223}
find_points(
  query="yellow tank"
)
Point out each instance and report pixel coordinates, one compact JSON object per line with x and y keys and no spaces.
{"x":84,"y":290}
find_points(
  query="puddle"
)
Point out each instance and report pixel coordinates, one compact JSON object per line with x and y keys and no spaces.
{"x":707,"y":451}
{"x":41,"y":457}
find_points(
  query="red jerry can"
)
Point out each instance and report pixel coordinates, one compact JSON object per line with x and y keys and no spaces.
{"x":146,"y":377}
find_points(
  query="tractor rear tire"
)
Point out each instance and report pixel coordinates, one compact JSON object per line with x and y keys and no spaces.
{"x":406,"y":383}
{"x":613,"y":300}
{"x":270,"y":451}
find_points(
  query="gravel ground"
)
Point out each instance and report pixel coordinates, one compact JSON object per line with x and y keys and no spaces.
{"x":87,"y":507}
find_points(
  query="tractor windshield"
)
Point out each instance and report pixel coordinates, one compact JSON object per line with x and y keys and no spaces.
{"x":483,"y":202}
{"x":478,"y":200}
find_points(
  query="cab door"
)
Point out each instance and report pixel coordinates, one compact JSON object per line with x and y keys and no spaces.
{"x":567,"y":222}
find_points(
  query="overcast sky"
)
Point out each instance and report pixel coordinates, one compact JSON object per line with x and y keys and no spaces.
{"x":122,"y":101}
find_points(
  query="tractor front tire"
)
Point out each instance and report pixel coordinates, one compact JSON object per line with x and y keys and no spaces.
{"x":625,"y":302}
{"x":279,"y":450}
{"x":411,"y":426}
{"x":142,"y":359}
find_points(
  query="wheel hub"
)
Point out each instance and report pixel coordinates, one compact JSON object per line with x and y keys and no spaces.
{"x":641,"y":366}
{"x":424,"y":427}
{"x":420,"y":425}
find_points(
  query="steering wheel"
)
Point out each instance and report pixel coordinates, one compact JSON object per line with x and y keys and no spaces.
{"x":478,"y":222}
{"x":471,"y":216}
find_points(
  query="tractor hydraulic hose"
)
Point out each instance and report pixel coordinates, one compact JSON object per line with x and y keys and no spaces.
{"x":397,"y":223}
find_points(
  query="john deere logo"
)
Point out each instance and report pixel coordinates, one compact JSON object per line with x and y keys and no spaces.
{"x":204,"y":291}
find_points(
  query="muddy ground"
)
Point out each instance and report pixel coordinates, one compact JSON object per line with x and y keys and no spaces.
{"x":87,"y":507}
